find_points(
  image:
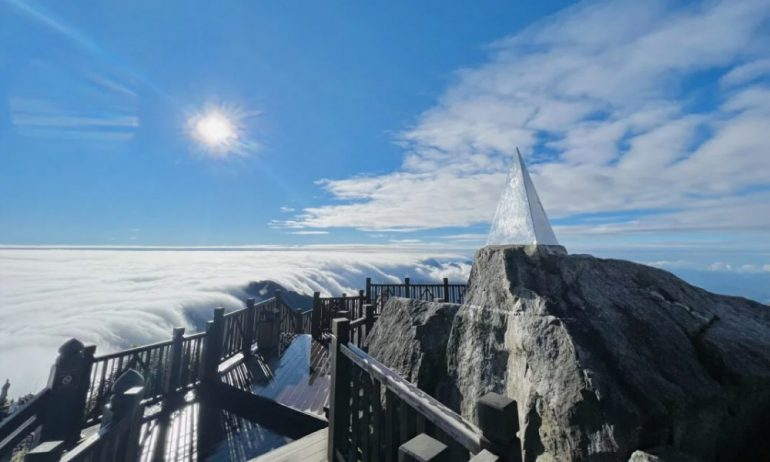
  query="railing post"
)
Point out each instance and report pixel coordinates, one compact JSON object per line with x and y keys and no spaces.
{"x":446,"y":290}
{"x":361,"y":302}
{"x":171,"y":399}
{"x":122,"y":419}
{"x":369,"y":313}
{"x":297,"y":320}
{"x":368,"y":290}
{"x":317,"y":316}
{"x":212,"y":346}
{"x":339,"y":389}
{"x":423,"y":448}
{"x":208,"y":414}
{"x":175,"y":368}
{"x":268,"y":332}
{"x":250,"y":327}
{"x":498,"y":418}
{"x":406,"y":288}
{"x":69,"y":382}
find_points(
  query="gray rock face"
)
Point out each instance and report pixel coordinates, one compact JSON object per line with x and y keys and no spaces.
{"x":662,"y":454}
{"x":604,"y":357}
{"x":412,"y":339}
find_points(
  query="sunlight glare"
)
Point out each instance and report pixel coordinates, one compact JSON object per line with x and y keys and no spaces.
{"x":215,"y":130}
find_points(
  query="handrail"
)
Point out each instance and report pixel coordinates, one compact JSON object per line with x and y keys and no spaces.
{"x":27,"y":409}
{"x":465,"y":433}
{"x":134,"y":350}
{"x":194,"y":336}
{"x":17,"y":426}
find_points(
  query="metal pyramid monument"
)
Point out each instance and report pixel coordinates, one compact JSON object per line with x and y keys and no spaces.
{"x":520,"y":218}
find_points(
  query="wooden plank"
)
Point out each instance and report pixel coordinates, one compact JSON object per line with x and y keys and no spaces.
{"x":310,"y":448}
{"x":355,"y":410}
{"x":374,"y":399}
{"x":419,"y":423}
{"x":366,"y":393}
{"x":30,"y":408}
{"x":403,"y":423}
{"x":389,"y":431}
{"x":275,"y":416}
{"x":17,"y":435}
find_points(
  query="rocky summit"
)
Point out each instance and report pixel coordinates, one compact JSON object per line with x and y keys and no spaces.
{"x":608,"y":360}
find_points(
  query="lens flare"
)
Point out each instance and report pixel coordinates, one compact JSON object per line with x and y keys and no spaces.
{"x":219,"y":131}
{"x":215,"y":129}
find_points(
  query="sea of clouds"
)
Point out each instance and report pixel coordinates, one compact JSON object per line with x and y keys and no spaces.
{"x":116,"y":298}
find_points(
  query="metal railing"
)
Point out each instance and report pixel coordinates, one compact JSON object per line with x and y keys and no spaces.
{"x":378,"y":294}
{"x":327,"y":308}
{"x":152,"y":361}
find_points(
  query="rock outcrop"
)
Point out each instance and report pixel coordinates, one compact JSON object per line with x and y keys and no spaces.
{"x":604,"y":357}
{"x":420,"y":330}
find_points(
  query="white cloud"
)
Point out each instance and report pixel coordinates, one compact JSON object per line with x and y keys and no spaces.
{"x":309,"y":232}
{"x":746,"y":268}
{"x":118,"y":298}
{"x":598,"y":97}
{"x":746,"y":72}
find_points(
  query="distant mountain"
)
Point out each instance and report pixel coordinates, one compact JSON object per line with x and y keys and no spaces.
{"x":263,"y":290}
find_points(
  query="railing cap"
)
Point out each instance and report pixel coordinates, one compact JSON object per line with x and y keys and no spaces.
{"x":72,"y":346}
{"x":484,"y":456}
{"x":341,"y":329}
{"x":423,"y":448}
{"x":498,"y":417}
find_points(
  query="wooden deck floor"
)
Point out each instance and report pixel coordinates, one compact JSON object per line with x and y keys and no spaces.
{"x":311,"y":448}
{"x":298,"y":378}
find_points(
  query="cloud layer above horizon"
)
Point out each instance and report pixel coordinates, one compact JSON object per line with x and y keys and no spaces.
{"x":121,"y":298}
{"x":634,"y":116}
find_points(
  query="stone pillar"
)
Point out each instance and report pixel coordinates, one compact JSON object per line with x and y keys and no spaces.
{"x":69,"y":382}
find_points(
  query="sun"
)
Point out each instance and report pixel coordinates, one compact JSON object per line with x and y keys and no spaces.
{"x":221,"y":131}
{"x":215,"y":130}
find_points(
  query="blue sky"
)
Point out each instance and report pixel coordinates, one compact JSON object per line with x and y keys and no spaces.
{"x":325,"y":89}
{"x":644,"y":124}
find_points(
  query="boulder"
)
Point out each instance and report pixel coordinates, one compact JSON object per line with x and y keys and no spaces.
{"x":411,"y":338}
{"x":604,"y":357}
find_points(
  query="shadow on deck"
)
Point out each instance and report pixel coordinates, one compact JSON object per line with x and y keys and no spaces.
{"x":288,"y":395}
{"x":297,"y":378}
